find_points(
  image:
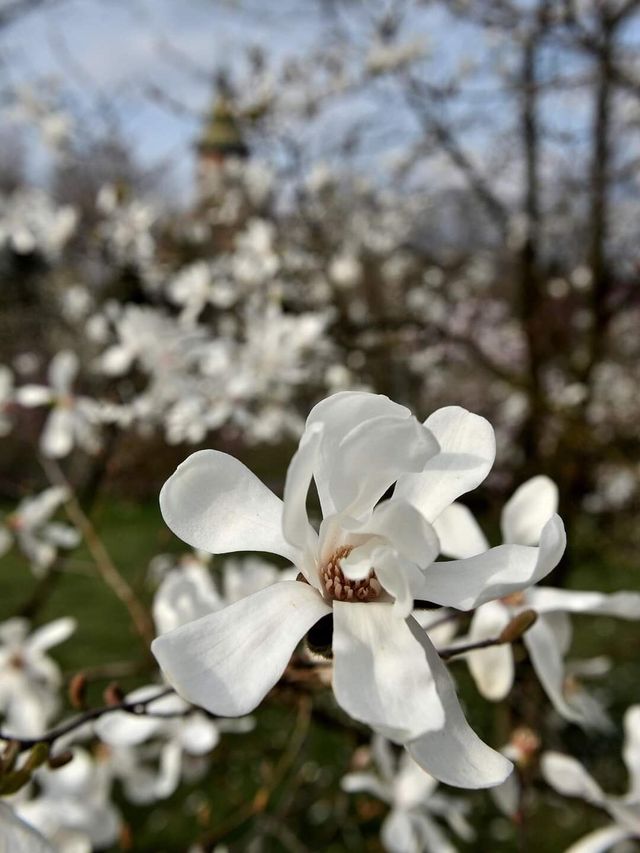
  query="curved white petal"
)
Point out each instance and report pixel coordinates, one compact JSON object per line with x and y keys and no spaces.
{"x":600,"y":840}
{"x":368,"y":783}
{"x":465,"y":584}
{"x":213,"y":502}
{"x":16,"y":836}
{"x":380,"y":673}
{"x":337,"y":415}
{"x":226,"y":662}
{"x":184,"y":595}
{"x":454,"y":754}
{"x":52,"y":634}
{"x":569,"y":778}
{"x":631,"y":751}
{"x":459,"y":533}
{"x":398,"y":834}
{"x":198,"y":734}
{"x":492,"y":668}
{"x":62,"y":371}
{"x":546,"y":659}
{"x":56,"y":440}
{"x":528,"y":510}
{"x":624,"y":605}
{"x":295,"y":520}
{"x":33,"y":395}
{"x":372,"y":457}
{"x":403,"y":527}
{"x":467,"y":450}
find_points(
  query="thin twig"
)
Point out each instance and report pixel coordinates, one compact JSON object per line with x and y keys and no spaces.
{"x":104,"y":564}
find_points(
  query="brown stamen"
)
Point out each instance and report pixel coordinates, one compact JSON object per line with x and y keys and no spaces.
{"x":340,"y":588}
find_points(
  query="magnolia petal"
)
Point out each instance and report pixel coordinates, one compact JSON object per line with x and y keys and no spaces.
{"x":63,"y":370}
{"x":51,"y":634}
{"x":569,"y":778}
{"x":631,"y":751}
{"x":467,"y":450}
{"x":184,"y":595}
{"x":120,"y":728}
{"x":454,"y":754}
{"x":367,"y":783}
{"x":380,"y":674}
{"x":528,"y":510}
{"x":295,"y":521}
{"x":600,"y":840}
{"x":198,"y":735}
{"x":33,"y":395}
{"x":465,"y":584}
{"x":337,"y":415}
{"x":213,"y":502}
{"x":546,"y":659}
{"x":226,"y":662}
{"x":16,"y":836}
{"x":56,"y":440}
{"x":398,"y":446}
{"x":398,"y":834}
{"x":403,"y":527}
{"x":492,"y":668}
{"x":459,"y":533}
{"x":624,"y":605}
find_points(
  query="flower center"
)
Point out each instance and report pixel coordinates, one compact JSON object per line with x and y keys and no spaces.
{"x":340,"y":588}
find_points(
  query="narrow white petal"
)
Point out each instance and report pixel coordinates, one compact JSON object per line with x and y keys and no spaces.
{"x":381,"y":675}
{"x":56,"y":440}
{"x":492,"y":669}
{"x":546,"y":659}
{"x":52,"y":634}
{"x":198,"y":735}
{"x":569,"y":778}
{"x":62,"y":371}
{"x":226,"y":662}
{"x":600,"y":840}
{"x":404,"y":528}
{"x":213,"y":502}
{"x":33,"y":395}
{"x":295,"y":521}
{"x":528,"y":510}
{"x":459,"y":533}
{"x":631,"y":751}
{"x":16,"y":836}
{"x":467,"y":450}
{"x":624,"y":605}
{"x":398,"y":834}
{"x":395,"y":446}
{"x":465,"y":584}
{"x":455,"y":754}
{"x":368,"y":783}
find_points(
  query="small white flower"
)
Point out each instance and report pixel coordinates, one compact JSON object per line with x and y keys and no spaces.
{"x":72,"y":420}
{"x":410,"y":826}
{"x":363,"y":569}
{"x":569,"y":778}
{"x":29,"y":679}
{"x":547,"y":642}
{"x":16,"y":836}
{"x":34,"y":533}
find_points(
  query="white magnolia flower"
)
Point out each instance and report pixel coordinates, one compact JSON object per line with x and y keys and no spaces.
{"x":34,"y":533}
{"x":29,"y":679}
{"x":73,"y":809}
{"x":72,"y":420}
{"x":363,"y":569}
{"x":155,"y":773}
{"x":547,"y":642}
{"x":569,"y":778}
{"x":16,"y":836}
{"x":410,"y":826}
